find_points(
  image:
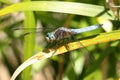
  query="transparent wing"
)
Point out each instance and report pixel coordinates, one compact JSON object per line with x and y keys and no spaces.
{"x":85,"y":52}
{"x":25,"y":31}
{"x":82,"y":58}
{"x":89,"y":58}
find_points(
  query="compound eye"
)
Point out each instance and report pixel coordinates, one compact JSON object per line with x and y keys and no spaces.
{"x":47,"y":35}
{"x":50,"y":37}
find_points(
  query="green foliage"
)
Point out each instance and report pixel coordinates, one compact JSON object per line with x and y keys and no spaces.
{"x":49,"y":14}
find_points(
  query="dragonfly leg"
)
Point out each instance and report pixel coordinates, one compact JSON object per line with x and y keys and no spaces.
{"x":61,"y":43}
{"x":50,"y":48}
{"x":66,"y":41}
{"x":56,"y":44}
{"x":53,"y":45}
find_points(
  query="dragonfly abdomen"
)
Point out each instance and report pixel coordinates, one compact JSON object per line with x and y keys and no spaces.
{"x":81,"y":30}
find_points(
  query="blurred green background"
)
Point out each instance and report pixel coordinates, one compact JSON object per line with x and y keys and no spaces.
{"x":106,"y":65}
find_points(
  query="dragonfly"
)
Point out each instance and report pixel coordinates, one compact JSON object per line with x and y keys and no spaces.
{"x":63,"y":32}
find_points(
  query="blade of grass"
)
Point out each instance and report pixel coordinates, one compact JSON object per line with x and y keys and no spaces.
{"x":59,"y":6}
{"x":29,"y":42}
{"x":104,"y":37}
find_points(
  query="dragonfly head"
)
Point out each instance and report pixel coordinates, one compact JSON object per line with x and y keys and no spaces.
{"x":50,"y":37}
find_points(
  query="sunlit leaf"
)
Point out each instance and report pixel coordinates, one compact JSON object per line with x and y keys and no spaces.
{"x":104,"y":37}
{"x":58,"y":6}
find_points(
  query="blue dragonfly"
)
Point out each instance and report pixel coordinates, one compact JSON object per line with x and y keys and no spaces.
{"x":62,"y":33}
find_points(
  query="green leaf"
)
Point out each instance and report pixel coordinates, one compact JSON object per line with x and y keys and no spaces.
{"x":59,"y":6}
{"x":29,"y":42}
{"x":104,"y":37}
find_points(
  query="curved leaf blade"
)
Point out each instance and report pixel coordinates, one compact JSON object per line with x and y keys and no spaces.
{"x":104,"y":37}
{"x":58,"y":6}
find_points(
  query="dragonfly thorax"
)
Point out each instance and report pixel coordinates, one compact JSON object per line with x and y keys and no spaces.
{"x":50,"y":37}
